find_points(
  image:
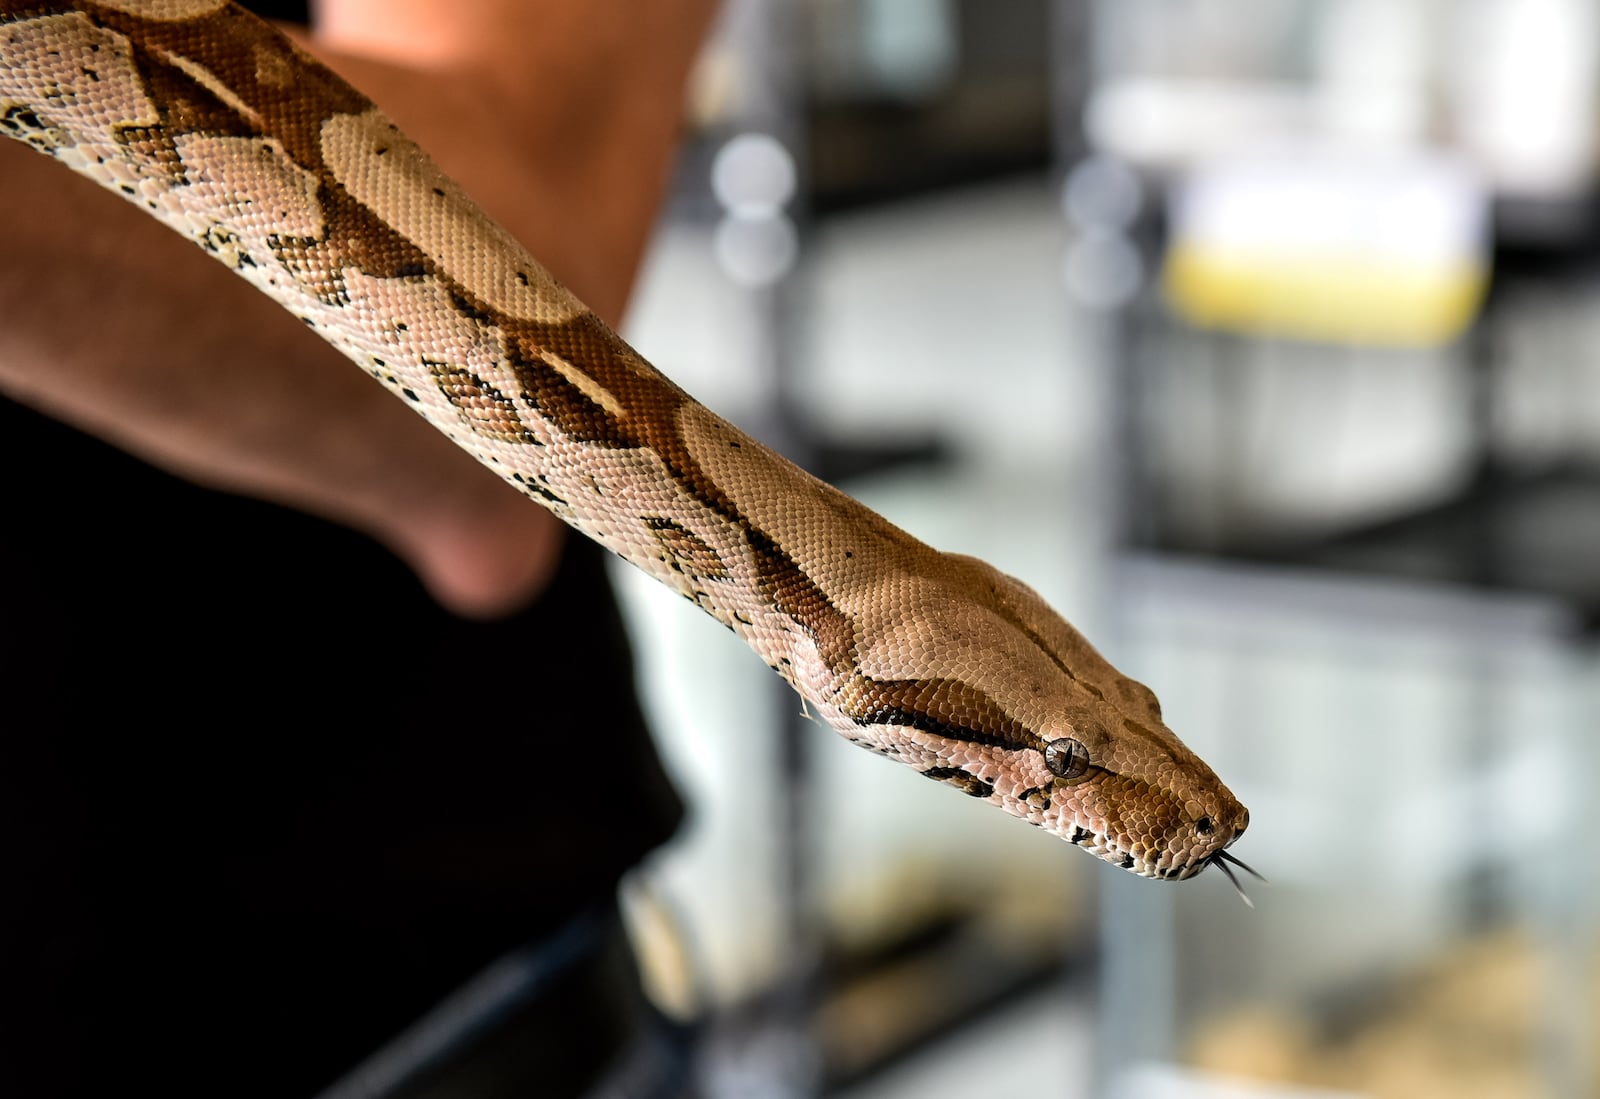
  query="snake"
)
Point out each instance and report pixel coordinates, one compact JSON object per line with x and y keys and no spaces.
{"x":212,"y":121}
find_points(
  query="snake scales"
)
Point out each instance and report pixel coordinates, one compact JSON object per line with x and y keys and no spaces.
{"x":214,"y":123}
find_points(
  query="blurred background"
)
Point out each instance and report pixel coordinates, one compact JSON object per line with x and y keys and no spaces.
{"x":1261,"y":337}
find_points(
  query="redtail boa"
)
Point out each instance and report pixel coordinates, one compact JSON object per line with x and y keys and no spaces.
{"x":213,"y":122}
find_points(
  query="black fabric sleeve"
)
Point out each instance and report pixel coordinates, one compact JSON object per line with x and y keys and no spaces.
{"x":256,"y":786}
{"x":289,"y":11}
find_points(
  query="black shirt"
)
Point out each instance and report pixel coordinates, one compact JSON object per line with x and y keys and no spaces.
{"x":290,"y":11}
{"x":261,"y":800}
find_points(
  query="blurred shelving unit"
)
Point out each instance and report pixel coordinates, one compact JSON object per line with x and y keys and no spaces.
{"x":1354,"y":253}
{"x":1255,"y":474}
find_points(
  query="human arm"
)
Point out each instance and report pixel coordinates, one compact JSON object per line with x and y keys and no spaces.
{"x":560,"y":116}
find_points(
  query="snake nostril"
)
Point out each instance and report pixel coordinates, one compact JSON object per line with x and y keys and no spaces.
{"x":1204,"y":826}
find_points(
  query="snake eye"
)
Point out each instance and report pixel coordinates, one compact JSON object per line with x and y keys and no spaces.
{"x":1066,"y":758}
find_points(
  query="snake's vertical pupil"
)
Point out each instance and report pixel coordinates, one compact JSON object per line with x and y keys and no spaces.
{"x":1066,"y":758}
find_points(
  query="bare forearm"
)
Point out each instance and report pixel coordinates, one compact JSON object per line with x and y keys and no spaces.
{"x":116,"y":325}
{"x":131,"y":333}
{"x":584,"y":100}
{"x":124,"y":328}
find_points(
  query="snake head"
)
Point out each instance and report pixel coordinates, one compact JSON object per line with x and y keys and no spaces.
{"x":1008,"y":702}
{"x":1107,"y":776}
{"x":1117,"y":782}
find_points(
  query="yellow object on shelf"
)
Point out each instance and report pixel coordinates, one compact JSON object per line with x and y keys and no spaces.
{"x":1330,"y":245}
{"x":1328,"y":300}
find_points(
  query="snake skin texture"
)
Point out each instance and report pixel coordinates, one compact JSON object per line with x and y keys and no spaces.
{"x":211,"y":121}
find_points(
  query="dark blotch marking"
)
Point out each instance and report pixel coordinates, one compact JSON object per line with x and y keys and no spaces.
{"x":491,"y":413}
{"x":793,"y":592}
{"x":944,"y":707}
{"x":684,"y":550}
{"x":1040,"y":792}
{"x":465,"y":306}
{"x":965,"y":781}
{"x":1081,"y":836}
{"x":237,"y":47}
{"x":534,"y":488}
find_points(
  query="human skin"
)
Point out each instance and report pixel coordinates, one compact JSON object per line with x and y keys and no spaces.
{"x":560,"y":116}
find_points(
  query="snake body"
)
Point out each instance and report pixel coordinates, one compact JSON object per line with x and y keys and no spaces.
{"x":211,"y":121}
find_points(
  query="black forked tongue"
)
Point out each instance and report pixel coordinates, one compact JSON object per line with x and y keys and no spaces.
{"x":1221,"y":860}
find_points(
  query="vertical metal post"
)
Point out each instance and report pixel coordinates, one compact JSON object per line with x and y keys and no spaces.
{"x":1105,"y":279}
{"x":1566,"y":910}
{"x":757,"y":241}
